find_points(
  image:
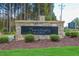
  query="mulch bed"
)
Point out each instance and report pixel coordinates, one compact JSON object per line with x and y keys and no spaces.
{"x":66,"y":41}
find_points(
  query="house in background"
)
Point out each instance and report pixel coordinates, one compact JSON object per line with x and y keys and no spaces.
{"x":72,"y":25}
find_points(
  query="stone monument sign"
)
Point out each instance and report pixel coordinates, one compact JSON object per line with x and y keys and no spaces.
{"x":40,"y":29}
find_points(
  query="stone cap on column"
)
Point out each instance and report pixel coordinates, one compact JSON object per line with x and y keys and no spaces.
{"x":41,"y":18}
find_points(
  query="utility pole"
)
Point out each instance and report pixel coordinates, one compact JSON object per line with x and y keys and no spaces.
{"x":61,"y":7}
{"x":61,"y":12}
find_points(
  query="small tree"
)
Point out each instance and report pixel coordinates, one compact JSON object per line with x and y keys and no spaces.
{"x":76,"y":20}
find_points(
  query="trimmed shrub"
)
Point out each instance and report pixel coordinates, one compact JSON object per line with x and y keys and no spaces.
{"x":29,"y":38}
{"x":68,"y":33}
{"x":54,"y":37}
{"x":72,"y":33}
{"x":3,"y":39}
{"x":4,"y":30}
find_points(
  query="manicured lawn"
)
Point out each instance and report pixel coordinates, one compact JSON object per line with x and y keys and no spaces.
{"x":59,"y":51}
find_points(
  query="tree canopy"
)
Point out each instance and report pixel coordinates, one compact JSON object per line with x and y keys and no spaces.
{"x":9,"y":12}
{"x":76,"y":20}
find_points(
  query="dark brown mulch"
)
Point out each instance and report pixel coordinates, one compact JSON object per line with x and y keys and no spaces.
{"x":66,"y":41}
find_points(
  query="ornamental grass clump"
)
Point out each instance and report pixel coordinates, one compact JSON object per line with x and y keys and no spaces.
{"x":54,"y":37}
{"x":29,"y":38}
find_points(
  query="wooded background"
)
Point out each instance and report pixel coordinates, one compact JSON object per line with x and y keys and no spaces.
{"x":9,"y":12}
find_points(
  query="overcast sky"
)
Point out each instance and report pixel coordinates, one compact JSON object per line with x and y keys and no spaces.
{"x":70,"y":11}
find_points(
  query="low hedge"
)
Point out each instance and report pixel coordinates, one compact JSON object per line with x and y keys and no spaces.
{"x":68,"y":33}
{"x":29,"y":38}
{"x":6,"y":33}
{"x":72,"y":33}
{"x":54,"y":37}
{"x":4,"y":39}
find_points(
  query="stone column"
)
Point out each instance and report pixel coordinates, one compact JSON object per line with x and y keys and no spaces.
{"x":18,"y":32}
{"x":61,"y":30}
{"x":42,"y":18}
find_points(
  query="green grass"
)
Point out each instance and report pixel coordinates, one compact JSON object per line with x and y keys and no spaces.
{"x":59,"y":51}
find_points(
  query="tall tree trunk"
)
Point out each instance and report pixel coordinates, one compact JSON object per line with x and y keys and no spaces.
{"x":21,"y":12}
{"x":13,"y":21}
{"x":38,"y":11}
{"x":4,"y":17}
{"x":10,"y":17}
{"x":24,"y":11}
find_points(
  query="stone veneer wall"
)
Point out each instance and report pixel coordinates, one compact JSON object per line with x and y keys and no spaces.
{"x":20,"y":23}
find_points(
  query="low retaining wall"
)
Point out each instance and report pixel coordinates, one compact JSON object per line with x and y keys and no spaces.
{"x":20,"y":23}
